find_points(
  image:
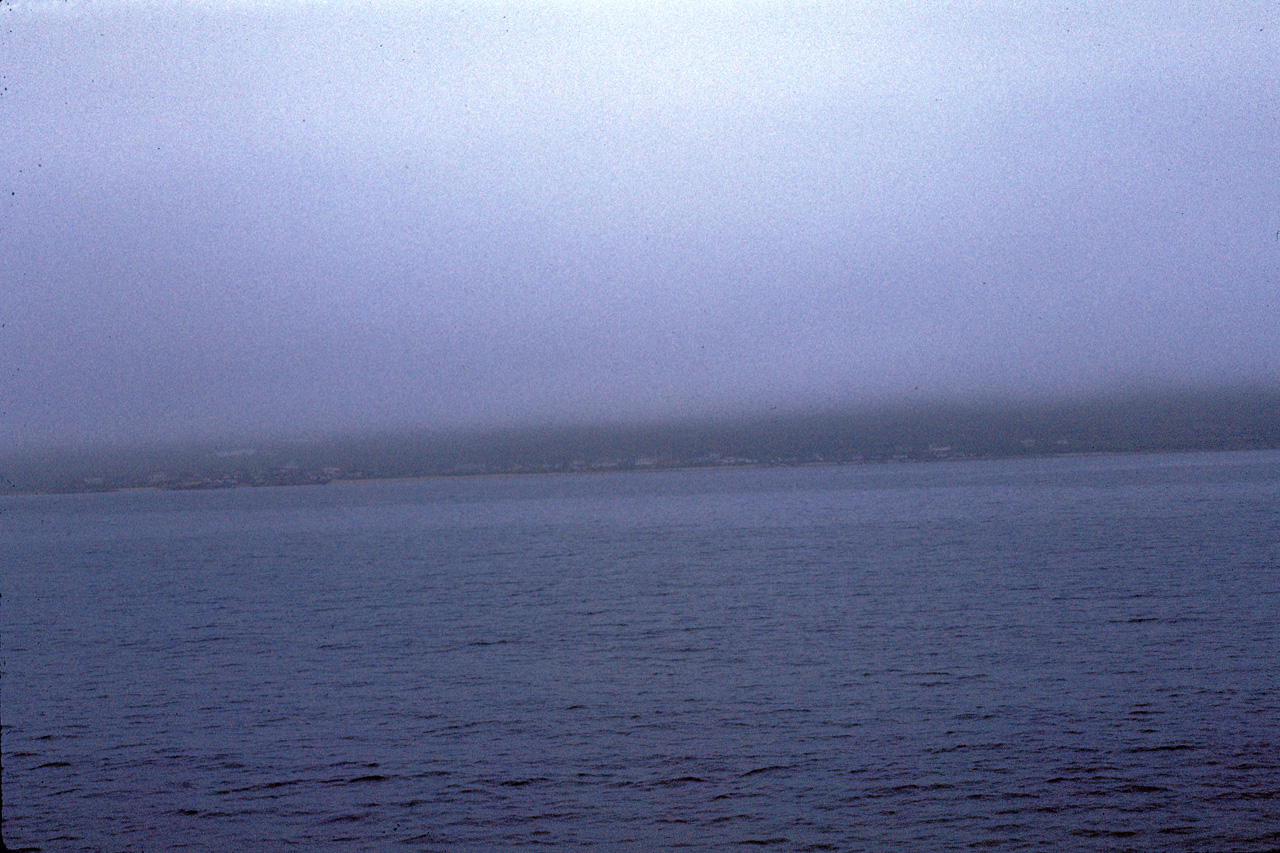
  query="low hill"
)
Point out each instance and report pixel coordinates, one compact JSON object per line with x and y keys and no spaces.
{"x":1215,"y":419}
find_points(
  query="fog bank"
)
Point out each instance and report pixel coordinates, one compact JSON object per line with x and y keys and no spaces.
{"x":296,"y":218}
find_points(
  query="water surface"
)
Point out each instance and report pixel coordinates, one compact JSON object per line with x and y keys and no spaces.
{"x":1067,"y":654}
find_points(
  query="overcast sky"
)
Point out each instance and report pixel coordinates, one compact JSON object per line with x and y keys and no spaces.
{"x":299,"y":216}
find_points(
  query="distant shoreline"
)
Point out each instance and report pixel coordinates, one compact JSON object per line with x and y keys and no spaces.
{"x":759,"y":466}
{"x":1171,"y":422}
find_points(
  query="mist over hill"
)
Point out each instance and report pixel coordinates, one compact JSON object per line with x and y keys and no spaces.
{"x":295,"y":218}
{"x":1200,"y":419}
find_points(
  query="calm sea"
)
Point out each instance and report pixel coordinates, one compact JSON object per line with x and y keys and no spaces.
{"x":1062,"y":654}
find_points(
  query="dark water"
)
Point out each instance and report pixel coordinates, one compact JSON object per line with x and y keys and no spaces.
{"x":1071,"y":654}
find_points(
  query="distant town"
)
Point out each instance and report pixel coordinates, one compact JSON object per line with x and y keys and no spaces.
{"x":1232,"y":419}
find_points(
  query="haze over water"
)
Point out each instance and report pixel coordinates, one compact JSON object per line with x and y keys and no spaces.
{"x":291,"y":219}
{"x":294,"y":217}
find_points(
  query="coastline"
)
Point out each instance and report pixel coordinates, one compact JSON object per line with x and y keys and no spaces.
{"x":223,"y":484}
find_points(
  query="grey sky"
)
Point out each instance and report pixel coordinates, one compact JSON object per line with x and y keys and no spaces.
{"x":290,"y":216}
